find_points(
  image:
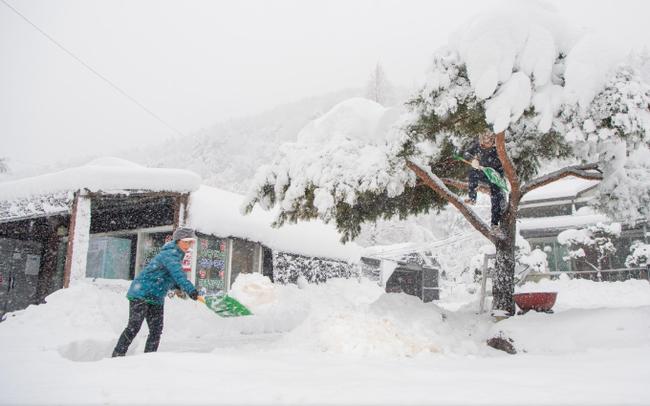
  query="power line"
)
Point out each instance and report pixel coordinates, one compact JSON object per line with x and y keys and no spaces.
{"x":99,"y":75}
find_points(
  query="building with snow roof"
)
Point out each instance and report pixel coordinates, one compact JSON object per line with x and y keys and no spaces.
{"x":564,"y":204}
{"x":110,"y":217}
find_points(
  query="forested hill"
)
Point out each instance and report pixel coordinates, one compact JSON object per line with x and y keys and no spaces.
{"x":227,"y":154}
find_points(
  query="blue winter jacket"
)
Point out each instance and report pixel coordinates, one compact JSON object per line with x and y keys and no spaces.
{"x":163,"y":273}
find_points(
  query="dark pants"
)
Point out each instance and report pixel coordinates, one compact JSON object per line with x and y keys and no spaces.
{"x":496,"y":194}
{"x":139,"y":310}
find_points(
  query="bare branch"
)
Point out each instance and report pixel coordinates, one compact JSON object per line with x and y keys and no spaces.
{"x":585,"y":171}
{"x":439,"y":187}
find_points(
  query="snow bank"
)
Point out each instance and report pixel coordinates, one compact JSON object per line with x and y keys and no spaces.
{"x":215,"y":211}
{"x":344,"y":341}
{"x":388,"y":325}
{"x":102,"y":174}
{"x":354,"y":317}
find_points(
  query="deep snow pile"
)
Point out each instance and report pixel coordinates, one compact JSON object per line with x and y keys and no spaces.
{"x":83,"y":322}
{"x":343,"y":342}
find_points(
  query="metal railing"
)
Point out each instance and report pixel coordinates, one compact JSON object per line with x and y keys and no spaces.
{"x":598,"y":274}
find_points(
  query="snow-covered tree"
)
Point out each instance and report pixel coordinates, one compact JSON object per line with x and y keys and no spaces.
{"x":379,"y":89}
{"x":513,"y":73}
{"x":531,"y":260}
{"x":639,"y":255}
{"x":591,"y":245}
{"x":4,"y":166}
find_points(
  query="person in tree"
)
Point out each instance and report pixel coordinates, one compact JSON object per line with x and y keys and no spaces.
{"x":483,"y":153}
{"x":147,"y":291}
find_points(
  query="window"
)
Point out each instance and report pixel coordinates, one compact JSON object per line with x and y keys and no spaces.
{"x":245,"y":258}
{"x":555,"y":253}
{"x":109,"y":257}
{"x":150,"y":246}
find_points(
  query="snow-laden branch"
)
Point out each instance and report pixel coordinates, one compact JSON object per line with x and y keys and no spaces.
{"x":586,"y":171}
{"x":435,"y":183}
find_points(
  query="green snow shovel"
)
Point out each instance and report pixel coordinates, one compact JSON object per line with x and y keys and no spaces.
{"x":490,"y":173}
{"x":225,"y":306}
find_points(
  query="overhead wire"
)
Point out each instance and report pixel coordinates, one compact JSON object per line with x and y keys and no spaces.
{"x":455,"y":238}
{"x":94,"y":71}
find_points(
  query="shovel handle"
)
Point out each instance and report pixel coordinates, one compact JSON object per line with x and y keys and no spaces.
{"x":200,"y":299}
{"x":461,"y":159}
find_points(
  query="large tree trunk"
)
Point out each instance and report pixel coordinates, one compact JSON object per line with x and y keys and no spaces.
{"x":503,"y":282}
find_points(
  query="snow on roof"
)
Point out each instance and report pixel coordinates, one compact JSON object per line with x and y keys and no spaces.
{"x":565,"y":187}
{"x":216,"y":211}
{"x":105,"y":174}
{"x":48,"y":205}
{"x":559,"y":222}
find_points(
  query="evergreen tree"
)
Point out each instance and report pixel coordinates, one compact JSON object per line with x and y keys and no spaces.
{"x":407,"y":168}
{"x":379,"y":89}
{"x":4,"y":166}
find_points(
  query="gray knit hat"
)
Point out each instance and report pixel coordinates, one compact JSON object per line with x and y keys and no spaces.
{"x":183,"y":232}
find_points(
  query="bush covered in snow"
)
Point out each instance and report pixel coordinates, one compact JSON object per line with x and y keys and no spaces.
{"x":288,"y":268}
{"x":640,"y":255}
{"x":591,"y":245}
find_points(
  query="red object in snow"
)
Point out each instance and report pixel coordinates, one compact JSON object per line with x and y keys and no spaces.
{"x":539,"y":301}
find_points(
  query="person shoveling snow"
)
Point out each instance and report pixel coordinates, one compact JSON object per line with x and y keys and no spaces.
{"x":147,"y":292}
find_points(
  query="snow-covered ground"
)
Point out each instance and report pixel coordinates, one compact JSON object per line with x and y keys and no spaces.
{"x":343,"y":342}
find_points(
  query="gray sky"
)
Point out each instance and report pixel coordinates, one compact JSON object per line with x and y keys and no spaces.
{"x":195,"y":63}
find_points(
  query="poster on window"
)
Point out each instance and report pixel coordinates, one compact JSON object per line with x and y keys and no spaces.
{"x":211,"y":266}
{"x":152,"y":245}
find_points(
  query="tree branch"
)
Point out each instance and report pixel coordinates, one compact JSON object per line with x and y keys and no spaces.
{"x":439,"y":187}
{"x":509,"y":216}
{"x":464,"y":185}
{"x":579,"y":171}
{"x":508,"y":168}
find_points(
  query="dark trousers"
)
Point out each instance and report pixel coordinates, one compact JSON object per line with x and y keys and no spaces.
{"x":139,"y":310}
{"x":496,"y":194}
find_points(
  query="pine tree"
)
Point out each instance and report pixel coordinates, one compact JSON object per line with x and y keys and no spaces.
{"x":379,"y":89}
{"x":4,"y":166}
{"x":351,"y":180}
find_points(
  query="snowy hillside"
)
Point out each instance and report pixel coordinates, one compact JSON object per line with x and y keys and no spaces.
{"x":343,"y":342}
{"x":227,"y":154}
{"x":224,"y":155}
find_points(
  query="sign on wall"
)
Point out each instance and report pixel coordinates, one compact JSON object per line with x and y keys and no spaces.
{"x":211,"y":266}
